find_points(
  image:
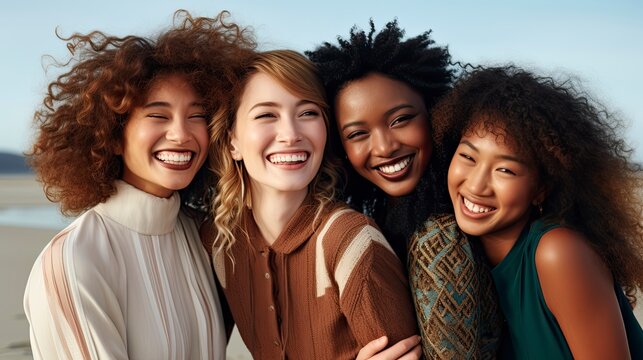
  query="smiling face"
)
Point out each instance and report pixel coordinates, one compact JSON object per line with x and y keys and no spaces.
{"x":165,"y":141}
{"x":279,"y":136}
{"x":492,"y":187}
{"x":384,"y":128}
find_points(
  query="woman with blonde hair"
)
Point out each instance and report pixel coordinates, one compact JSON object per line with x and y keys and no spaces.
{"x":305,"y":276}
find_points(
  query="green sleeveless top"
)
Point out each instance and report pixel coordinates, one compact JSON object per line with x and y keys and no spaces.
{"x":534,"y":331}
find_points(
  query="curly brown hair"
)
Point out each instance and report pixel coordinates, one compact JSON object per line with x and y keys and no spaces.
{"x":80,"y":123}
{"x":577,"y":146}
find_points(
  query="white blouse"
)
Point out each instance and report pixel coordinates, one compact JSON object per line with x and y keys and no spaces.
{"x":127,"y":279}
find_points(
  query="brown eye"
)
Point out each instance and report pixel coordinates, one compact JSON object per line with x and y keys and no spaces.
{"x":355,"y":134}
{"x":309,"y":113}
{"x":506,"y":171}
{"x":466,"y":157}
{"x":402,"y":119}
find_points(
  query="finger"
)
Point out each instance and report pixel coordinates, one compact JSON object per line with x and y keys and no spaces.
{"x":372,"y":348}
{"x":398,"y":350}
{"x":414,"y":354}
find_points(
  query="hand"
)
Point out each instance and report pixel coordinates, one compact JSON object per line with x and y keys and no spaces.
{"x":407,"y":349}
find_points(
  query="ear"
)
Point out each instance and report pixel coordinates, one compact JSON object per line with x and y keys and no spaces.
{"x":234,"y":149}
{"x":540,"y":196}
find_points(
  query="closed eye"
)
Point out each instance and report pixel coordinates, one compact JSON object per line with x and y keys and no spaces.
{"x":265,"y":116}
{"x":157,"y":116}
{"x":197,"y":116}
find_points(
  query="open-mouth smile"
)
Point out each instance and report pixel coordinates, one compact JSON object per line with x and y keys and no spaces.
{"x":476,"y":208}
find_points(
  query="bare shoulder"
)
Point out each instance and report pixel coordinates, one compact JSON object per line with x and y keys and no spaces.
{"x":570,"y":271}
{"x":562,"y":248}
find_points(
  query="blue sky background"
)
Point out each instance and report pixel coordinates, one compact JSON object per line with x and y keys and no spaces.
{"x":598,"y":42}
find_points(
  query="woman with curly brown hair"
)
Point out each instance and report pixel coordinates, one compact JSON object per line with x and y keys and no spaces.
{"x":120,"y":133}
{"x":542,"y":178}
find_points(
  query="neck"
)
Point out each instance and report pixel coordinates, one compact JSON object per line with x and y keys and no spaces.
{"x":498,"y":244}
{"x":272,"y":210}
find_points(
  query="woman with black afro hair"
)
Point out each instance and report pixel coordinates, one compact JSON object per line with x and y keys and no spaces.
{"x":382,"y":88}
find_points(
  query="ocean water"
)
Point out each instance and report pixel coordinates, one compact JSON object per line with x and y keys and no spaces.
{"x":39,"y":217}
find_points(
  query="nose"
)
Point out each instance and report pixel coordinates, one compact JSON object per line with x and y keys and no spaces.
{"x":477,"y":181}
{"x":178,"y":131}
{"x":287,"y":131}
{"x":383,"y":144}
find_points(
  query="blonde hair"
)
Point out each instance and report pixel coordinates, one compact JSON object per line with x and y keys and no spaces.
{"x":299,"y":76}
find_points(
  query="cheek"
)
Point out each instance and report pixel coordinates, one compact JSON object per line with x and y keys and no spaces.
{"x":252,"y":136}
{"x":356,"y":153}
{"x":135,"y":137}
{"x":516,"y":195}
{"x":456,"y":176}
{"x":319,"y":134}
{"x":451,"y":178}
{"x":202,"y":136}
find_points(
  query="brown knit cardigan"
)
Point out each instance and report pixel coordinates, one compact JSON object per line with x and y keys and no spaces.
{"x":321,"y":291}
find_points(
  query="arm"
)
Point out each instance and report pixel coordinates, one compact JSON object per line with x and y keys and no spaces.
{"x":579,"y":291}
{"x":443,"y":269}
{"x":373,"y":292}
{"x":72,"y":309}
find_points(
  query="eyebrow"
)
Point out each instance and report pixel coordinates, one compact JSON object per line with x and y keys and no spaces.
{"x":167,"y":104}
{"x":386,"y":113}
{"x":504,"y":157}
{"x":274,"y":104}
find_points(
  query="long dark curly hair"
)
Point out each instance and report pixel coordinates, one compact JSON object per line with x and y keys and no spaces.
{"x":421,"y":65}
{"x":80,"y":123}
{"x":592,"y":183}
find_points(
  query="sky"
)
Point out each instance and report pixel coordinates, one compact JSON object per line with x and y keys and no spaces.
{"x":599,"y":43}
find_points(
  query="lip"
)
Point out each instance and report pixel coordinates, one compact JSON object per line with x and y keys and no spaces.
{"x":178,"y":167}
{"x":289,"y":166}
{"x":398,"y":175}
{"x":472,"y":214}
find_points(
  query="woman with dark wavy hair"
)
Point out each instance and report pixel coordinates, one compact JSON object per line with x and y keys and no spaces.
{"x":382,"y":88}
{"x":543,"y":179}
{"x":120,"y":133}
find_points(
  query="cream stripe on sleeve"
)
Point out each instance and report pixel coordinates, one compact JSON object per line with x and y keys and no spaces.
{"x":354,"y":253}
{"x":322,"y":276}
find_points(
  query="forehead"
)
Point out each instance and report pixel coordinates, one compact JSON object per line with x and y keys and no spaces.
{"x":493,"y":135}
{"x":262,"y":87}
{"x":374,"y":92}
{"x":484,"y":125}
{"x":169,"y":83}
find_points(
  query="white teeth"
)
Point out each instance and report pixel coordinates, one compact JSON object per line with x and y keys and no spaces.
{"x":389,"y":169}
{"x":175,"y":158}
{"x":475,"y":207}
{"x":288,"y":158}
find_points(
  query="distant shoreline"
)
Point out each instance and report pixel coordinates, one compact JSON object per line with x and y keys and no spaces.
{"x":18,"y":190}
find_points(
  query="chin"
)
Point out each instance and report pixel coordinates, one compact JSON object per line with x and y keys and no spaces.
{"x":398,"y":190}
